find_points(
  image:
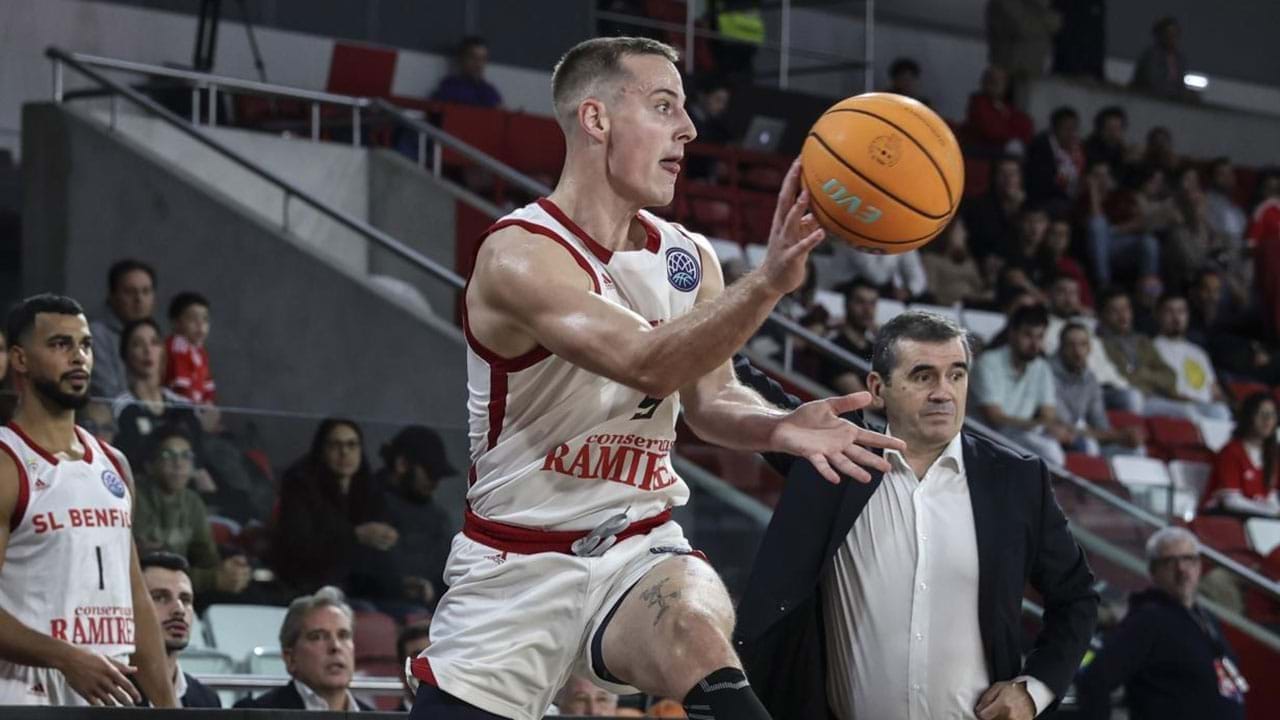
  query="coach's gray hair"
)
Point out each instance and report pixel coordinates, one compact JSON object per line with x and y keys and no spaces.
{"x":1167,"y":534}
{"x":918,"y":325}
{"x":327,"y":596}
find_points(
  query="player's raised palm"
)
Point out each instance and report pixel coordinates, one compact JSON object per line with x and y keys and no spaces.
{"x":815,"y":431}
{"x":794,"y":234}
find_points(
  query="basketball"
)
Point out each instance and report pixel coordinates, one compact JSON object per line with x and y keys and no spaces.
{"x":884,"y":172}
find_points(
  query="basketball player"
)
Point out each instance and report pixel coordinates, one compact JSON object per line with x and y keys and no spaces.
{"x":591,"y":325}
{"x":73,"y":604}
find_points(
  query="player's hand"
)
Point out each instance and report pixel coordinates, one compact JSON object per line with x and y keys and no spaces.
{"x":1006,"y":701}
{"x":794,"y":234}
{"x":99,"y":679}
{"x":816,"y":432}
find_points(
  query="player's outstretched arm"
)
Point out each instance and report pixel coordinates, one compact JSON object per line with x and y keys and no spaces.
{"x":99,"y":679}
{"x":148,"y":640}
{"x":527,"y":285}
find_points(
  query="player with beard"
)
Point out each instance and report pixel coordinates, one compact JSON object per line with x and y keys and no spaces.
{"x":73,"y":604}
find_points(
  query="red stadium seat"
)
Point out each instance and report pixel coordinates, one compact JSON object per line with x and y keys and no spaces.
{"x":375,"y":637}
{"x":534,"y":145}
{"x":479,"y":127}
{"x":362,"y":70}
{"x":1222,"y":533}
{"x":1193,"y":453}
{"x":1173,"y":432}
{"x":225,"y":530}
{"x":1241,"y":389}
{"x":1124,"y":418}
{"x":1089,"y":467}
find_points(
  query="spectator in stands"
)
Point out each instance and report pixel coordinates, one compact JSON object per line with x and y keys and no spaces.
{"x":169,"y":516}
{"x":1109,"y":141}
{"x":1245,"y":470}
{"x":1196,"y":381}
{"x":904,"y":78}
{"x":318,"y":644}
{"x":1014,"y":388}
{"x":1264,"y":235}
{"x":1033,"y":223}
{"x":330,"y":525}
{"x":707,"y":111}
{"x":993,"y":218}
{"x":414,"y":463}
{"x":1119,"y":237}
{"x":1224,"y":215}
{"x":97,"y":420}
{"x":1169,"y":653}
{"x":1080,"y":46}
{"x":1136,"y":357}
{"x":1019,"y":38}
{"x":145,"y":403}
{"x":1080,"y":402}
{"x":580,"y":696}
{"x":467,"y":85}
{"x":1159,"y":152}
{"x":900,"y":276}
{"x":131,"y":288}
{"x":8,"y":398}
{"x":1218,"y":326}
{"x":1058,"y":262}
{"x":856,"y":335}
{"x":1192,"y":243}
{"x":1055,"y":161}
{"x":410,"y":642}
{"x":169,"y":584}
{"x":1162,"y":67}
{"x":951,"y":273}
{"x":1065,"y":307}
{"x":187,"y":370}
{"x":992,"y":120}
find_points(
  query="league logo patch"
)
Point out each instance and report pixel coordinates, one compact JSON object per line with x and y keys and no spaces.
{"x":113,"y":483}
{"x":682,"y":270}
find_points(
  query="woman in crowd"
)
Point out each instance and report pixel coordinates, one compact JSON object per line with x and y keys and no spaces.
{"x":1244,"y":472}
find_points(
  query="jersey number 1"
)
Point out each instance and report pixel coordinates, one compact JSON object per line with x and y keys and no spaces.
{"x":101,"y":581}
{"x":648,"y":407}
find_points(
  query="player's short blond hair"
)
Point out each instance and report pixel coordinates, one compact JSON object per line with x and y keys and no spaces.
{"x":594,"y":64}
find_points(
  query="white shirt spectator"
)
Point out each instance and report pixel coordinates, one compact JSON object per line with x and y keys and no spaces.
{"x":905,"y":271}
{"x":312,"y":701}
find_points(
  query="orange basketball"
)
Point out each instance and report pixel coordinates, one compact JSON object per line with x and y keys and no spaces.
{"x":884,"y":172}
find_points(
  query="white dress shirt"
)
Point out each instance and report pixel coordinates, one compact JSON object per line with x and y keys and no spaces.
{"x":312,"y":701}
{"x":901,"y":602}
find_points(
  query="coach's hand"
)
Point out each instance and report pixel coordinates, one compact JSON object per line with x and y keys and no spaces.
{"x":794,"y":234}
{"x":99,"y":679}
{"x":815,"y":431}
{"x":1006,"y":701}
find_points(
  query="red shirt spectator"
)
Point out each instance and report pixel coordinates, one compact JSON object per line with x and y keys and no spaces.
{"x":1244,"y":472}
{"x":1235,"y":472}
{"x":187,"y":371}
{"x":991,"y":118}
{"x":1264,"y":237}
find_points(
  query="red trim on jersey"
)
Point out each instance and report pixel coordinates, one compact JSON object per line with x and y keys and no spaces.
{"x":88,"y":446}
{"x":515,"y":364}
{"x":24,"y":489}
{"x":48,"y":456}
{"x":528,"y":541}
{"x":497,"y":404}
{"x":653,"y":239}
{"x":421,"y":669}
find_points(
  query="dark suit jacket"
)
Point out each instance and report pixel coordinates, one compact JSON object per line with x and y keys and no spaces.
{"x":285,"y":697}
{"x":198,"y":695}
{"x":1022,"y":536}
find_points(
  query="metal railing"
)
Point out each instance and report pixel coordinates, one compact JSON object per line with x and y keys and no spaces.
{"x":371,"y":685}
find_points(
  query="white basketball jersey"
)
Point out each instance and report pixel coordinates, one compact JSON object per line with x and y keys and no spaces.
{"x":557,"y":447}
{"x":66,"y":571}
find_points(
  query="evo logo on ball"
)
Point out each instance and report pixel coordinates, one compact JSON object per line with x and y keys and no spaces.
{"x":852,"y":204}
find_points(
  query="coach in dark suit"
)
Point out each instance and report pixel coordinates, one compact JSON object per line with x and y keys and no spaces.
{"x":902,"y":597}
{"x":317,"y":642}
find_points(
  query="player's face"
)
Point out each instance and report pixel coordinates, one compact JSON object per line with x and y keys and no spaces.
{"x":582,"y":698}
{"x":144,"y":353}
{"x":342,"y":451}
{"x":174,"y":600}
{"x":648,"y":129}
{"x":193,"y":324}
{"x":134,"y":297}
{"x":924,"y":397}
{"x":324,"y":656}
{"x":58,"y":358}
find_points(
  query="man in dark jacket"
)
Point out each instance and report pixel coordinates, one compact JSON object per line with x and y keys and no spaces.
{"x":169,"y":583}
{"x":926,"y":607}
{"x":319,"y":652}
{"x":1169,"y":653}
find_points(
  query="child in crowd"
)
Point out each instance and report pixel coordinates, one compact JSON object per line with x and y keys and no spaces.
{"x":187,"y":371}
